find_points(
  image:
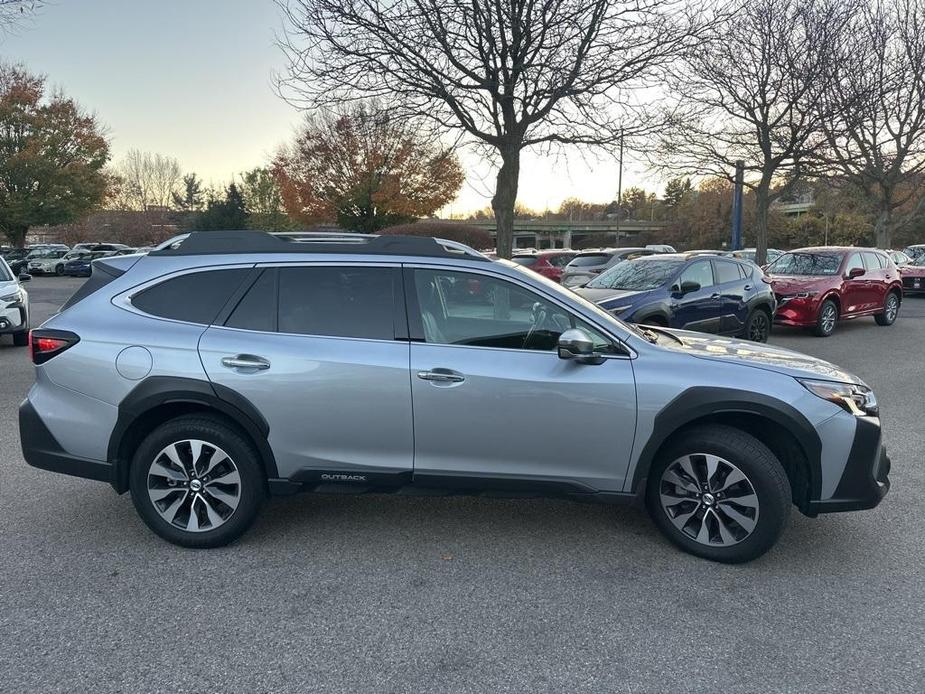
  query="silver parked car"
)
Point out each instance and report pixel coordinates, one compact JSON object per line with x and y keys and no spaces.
{"x":226,"y":366}
{"x":589,"y":264}
{"x":14,"y":305}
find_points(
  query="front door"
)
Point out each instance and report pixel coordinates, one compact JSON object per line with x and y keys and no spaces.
{"x":323,"y":367}
{"x":494,"y":406}
{"x":699,"y":309}
{"x":855,"y":290}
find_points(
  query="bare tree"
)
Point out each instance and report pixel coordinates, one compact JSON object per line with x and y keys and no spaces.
{"x":13,"y":12}
{"x":755,"y":96}
{"x":145,"y":180}
{"x":505,"y":74}
{"x":875,"y":124}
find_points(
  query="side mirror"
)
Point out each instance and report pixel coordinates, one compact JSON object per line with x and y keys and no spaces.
{"x":686,"y":288}
{"x":855,"y":272}
{"x":576,"y":344}
{"x":25,"y":277}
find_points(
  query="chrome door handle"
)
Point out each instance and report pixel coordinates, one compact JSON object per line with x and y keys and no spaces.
{"x":441,"y":376}
{"x":246,"y":361}
{"x":714,"y":296}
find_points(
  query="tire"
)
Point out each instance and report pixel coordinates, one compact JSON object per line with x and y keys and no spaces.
{"x":59,"y":270}
{"x":164,"y":496}
{"x":890,"y":310}
{"x":757,"y":326}
{"x":713,"y":524}
{"x":21,"y":339}
{"x":828,"y":317}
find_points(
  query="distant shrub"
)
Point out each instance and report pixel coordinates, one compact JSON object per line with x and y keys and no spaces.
{"x":451,"y":231}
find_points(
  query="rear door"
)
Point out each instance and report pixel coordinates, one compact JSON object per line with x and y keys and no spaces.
{"x":319,"y":350}
{"x":700,"y":309}
{"x":876,"y":279}
{"x":732,"y":295}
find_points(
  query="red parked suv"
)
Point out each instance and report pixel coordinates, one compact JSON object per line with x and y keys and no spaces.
{"x":547,"y":263}
{"x":816,"y":287}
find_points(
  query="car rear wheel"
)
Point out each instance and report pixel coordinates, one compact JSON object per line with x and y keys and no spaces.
{"x":719,"y":493}
{"x":890,"y":310}
{"x":758,"y":326}
{"x":828,"y":317}
{"x":197,"y":482}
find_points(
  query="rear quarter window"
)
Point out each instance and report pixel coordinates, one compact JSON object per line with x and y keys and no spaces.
{"x":195,"y":297}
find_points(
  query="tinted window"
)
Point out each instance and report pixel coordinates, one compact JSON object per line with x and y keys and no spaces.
{"x":525,"y":260}
{"x":699,"y":272}
{"x":560,"y":260}
{"x":590,"y":259}
{"x":196,"y":297}
{"x":853,"y":262}
{"x":726,"y":272}
{"x":338,"y":301}
{"x":459,"y":308}
{"x":257,"y":310}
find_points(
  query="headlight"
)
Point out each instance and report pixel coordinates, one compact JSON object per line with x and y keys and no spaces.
{"x":801,"y":295}
{"x":15,"y":296}
{"x":855,"y":399}
{"x":620,"y":309}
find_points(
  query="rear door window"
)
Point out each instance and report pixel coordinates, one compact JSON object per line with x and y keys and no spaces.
{"x":726,"y":272}
{"x":344,"y":301}
{"x":195,"y":297}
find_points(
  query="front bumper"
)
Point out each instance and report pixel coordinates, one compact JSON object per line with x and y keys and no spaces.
{"x":14,"y":318}
{"x":796,"y":312}
{"x":41,"y":450}
{"x":865,"y":479}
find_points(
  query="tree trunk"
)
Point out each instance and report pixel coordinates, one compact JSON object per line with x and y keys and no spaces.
{"x":504,"y":200}
{"x":762,"y":206}
{"x":17,"y":235}
{"x":883,"y":228}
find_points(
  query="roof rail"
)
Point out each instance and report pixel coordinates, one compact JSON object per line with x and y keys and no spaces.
{"x":251,"y":242}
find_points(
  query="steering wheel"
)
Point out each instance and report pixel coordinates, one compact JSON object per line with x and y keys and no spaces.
{"x":543,"y":319}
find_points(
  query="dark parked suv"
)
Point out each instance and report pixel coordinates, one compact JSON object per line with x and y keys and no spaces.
{"x":691,"y":291}
{"x":232,"y":365}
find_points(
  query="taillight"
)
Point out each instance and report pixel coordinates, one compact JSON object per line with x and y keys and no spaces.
{"x":45,"y":344}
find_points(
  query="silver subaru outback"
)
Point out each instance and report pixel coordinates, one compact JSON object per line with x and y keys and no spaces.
{"x":230,"y":366}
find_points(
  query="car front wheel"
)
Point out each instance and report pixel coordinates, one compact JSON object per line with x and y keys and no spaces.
{"x":828,"y":317}
{"x":197,"y":482}
{"x":719,"y":493}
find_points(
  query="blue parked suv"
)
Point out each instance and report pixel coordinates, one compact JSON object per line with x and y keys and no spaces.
{"x":710,"y":294}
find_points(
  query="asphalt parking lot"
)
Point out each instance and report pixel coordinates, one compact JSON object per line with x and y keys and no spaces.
{"x":403,"y":594}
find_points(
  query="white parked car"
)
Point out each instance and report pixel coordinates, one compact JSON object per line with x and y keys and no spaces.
{"x":14,"y":306}
{"x":48,"y":263}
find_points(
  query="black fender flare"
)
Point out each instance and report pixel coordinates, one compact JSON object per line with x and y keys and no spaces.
{"x":155,"y":391}
{"x":702,"y":401}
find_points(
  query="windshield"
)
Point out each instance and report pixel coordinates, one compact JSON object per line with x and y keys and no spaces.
{"x":806,"y":264}
{"x":919,"y":262}
{"x":640,"y":275}
{"x":590,"y":259}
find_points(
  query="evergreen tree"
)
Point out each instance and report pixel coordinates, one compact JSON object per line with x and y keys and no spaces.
{"x":224,"y":214}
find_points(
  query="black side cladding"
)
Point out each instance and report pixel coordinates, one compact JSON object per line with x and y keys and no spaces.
{"x":101,"y":275}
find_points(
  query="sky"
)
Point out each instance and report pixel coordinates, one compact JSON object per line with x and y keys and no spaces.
{"x":193,"y":79}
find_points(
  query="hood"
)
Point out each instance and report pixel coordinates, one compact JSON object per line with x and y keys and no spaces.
{"x":601,"y":295}
{"x":759,"y":356}
{"x":794,"y":284}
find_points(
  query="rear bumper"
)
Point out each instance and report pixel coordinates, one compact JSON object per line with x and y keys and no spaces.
{"x":865,"y":479}
{"x":41,"y":450}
